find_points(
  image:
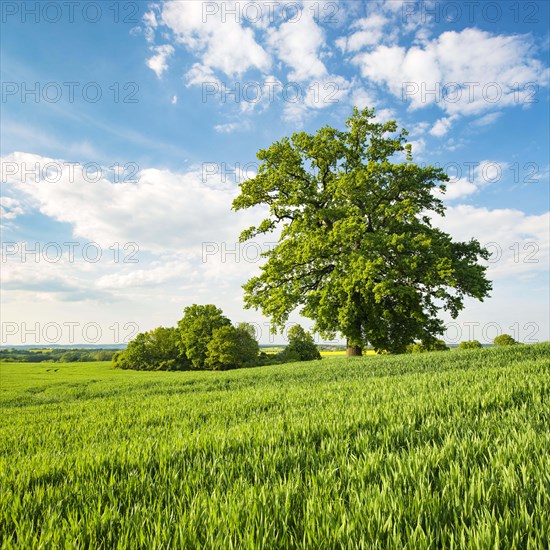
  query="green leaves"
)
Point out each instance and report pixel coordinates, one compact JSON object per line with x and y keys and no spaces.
{"x":357,"y":252}
{"x":301,"y":345}
{"x":232,"y":347}
{"x":157,"y":349}
{"x":197,"y":328}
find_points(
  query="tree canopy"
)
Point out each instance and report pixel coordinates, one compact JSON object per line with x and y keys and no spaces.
{"x":154,"y":350}
{"x":470,"y":344}
{"x":232,"y":347}
{"x":196,"y":330}
{"x":357,"y":252}
{"x":301,"y":345}
{"x":504,"y":340}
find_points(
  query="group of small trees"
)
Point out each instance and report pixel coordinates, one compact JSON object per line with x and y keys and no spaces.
{"x":301,"y":346}
{"x":499,"y":341}
{"x":209,"y":340}
{"x":440,"y":345}
{"x":157,"y":349}
{"x":419,"y":347}
{"x":206,"y":339}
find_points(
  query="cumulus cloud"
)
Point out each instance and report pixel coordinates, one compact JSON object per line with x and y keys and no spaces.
{"x":478,"y":176}
{"x":487,"y":120}
{"x":368,"y":31}
{"x":442,"y":126}
{"x":518,"y":242}
{"x":183,"y":237}
{"x":298,"y":45}
{"x":159,"y":62}
{"x":199,"y":75}
{"x":226,"y":128}
{"x":221,"y":43}
{"x":161,"y":211}
{"x":466,"y":72}
{"x":320,"y":94}
{"x":10,"y":208}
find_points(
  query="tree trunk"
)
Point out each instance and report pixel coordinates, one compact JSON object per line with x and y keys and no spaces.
{"x":354,"y":351}
{"x":354,"y":342}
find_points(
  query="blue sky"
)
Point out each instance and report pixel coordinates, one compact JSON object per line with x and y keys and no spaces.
{"x":126,"y":128}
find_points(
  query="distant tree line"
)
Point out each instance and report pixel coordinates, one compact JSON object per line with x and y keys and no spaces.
{"x":440,"y":345}
{"x":58,"y":355}
{"x":205,"y":339}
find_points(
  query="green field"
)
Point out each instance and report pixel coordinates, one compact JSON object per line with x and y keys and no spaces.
{"x":436,"y":450}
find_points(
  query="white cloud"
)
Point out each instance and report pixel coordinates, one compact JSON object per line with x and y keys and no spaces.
{"x":157,"y":274}
{"x":326,"y":92}
{"x":442,"y":126}
{"x":419,"y":128}
{"x":370,"y":31}
{"x":487,"y":119}
{"x":169,"y":216}
{"x":226,"y":128}
{"x":159,"y":212}
{"x":10,"y":208}
{"x":477,"y":176}
{"x":221,"y":43}
{"x":257,"y":96}
{"x":201,"y":74}
{"x":298,"y":45}
{"x":361,"y":98}
{"x":458,"y":189}
{"x":150,"y":19}
{"x":518,"y":242}
{"x":174,"y":100}
{"x":159,"y":62}
{"x":487,"y":69}
{"x":385,"y":115}
{"x":379,"y":65}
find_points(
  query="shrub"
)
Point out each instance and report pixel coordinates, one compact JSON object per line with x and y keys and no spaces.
{"x":420,"y":347}
{"x":439,"y":345}
{"x":157,"y":349}
{"x":288,"y":356}
{"x":301,"y":346}
{"x":470,"y":344}
{"x":197,"y":329}
{"x":417,"y":347}
{"x":232,"y":347}
{"x":504,"y":340}
{"x":120,"y":360}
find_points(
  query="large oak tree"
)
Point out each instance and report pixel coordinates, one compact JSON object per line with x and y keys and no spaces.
{"x":357,"y":252}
